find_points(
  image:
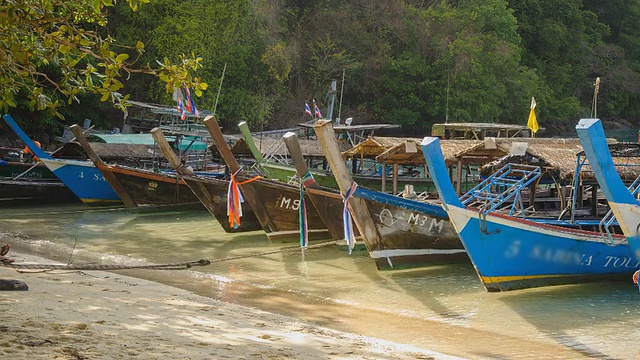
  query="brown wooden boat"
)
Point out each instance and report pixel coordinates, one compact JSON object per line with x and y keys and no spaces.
{"x":275,"y":203}
{"x":140,"y":188}
{"x":34,"y":192}
{"x":210,"y":191}
{"x":397,"y":232}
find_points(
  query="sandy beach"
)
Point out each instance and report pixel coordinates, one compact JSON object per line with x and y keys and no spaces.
{"x":103,"y":315}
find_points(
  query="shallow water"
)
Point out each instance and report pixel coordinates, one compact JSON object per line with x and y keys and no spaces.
{"x":443,"y":308}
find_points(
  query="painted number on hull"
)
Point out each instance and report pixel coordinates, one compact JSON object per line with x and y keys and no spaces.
{"x":287,"y":203}
{"x":388,"y":218}
{"x":96,"y":177}
{"x":565,"y":256}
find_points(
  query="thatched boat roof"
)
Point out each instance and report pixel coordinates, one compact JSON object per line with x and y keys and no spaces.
{"x":405,"y":151}
{"x":376,"y":145}
{"x":410,"y":153}
{"x":276,"y":147}
{"x":480,"y":131}
{"x":556,"y":156}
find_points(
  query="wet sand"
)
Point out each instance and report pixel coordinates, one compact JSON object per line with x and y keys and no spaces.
{"x":104,"y":315}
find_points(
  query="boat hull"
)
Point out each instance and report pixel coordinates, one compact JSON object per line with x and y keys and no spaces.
{"x":84,"y":180}
{"x":282,"y":202}
{"x":513,"y":254}
{"x":36,"y":171}
{"x":153,"y":189}
{"x":412,"y":233}
{"x":23,"y":192}
{"x":212,"y":193}
{"x":329,"y":205}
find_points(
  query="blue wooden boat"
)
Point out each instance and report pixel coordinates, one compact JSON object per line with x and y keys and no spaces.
{"x":81,"y":177}
{"x":397,"y":232}
{"x":412,"y":233}
{"x":622,"y":201}
{"x":513,"y":253}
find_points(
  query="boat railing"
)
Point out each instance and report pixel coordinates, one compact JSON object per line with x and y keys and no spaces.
{"x":502,"y":188}
{"x":610,"y":219}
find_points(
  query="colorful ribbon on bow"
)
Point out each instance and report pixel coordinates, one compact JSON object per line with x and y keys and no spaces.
{"x":349,"y":235}
{"x":306,"y":180}
{"x":235,"y":200}
{"x":302,"y":218}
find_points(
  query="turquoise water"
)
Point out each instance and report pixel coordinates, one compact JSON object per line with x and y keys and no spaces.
{"x":443,"y":308}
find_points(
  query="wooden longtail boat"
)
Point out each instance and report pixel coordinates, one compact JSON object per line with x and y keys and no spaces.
{"x":275,"y":204}
{"x":327,"y":202}
{"x":140,"y":187}
{"x":397,"y":232}
{"x":81,"y":177}
{"x":512,"y":253}
{"x":212,"y":192}
{"x":623,"y":204}
{"x":32,"y":192}
{"x":26,"y":171}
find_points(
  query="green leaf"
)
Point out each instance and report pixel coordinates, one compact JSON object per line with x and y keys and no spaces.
{"x":64,"y":49}
{"x":121,"y":58}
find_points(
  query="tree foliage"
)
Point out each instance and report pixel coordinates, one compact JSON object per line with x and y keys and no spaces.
{"x":58,"y":49}
{"x":413,"y":63}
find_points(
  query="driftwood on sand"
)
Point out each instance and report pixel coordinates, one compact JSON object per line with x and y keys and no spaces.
{"x":9,"y":284}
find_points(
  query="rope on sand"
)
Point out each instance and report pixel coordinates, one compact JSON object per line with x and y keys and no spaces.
{"x":170,"y":266}
{"x":7,"y":262}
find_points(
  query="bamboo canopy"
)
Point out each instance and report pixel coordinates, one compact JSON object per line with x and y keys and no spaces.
{"x":376,"y":145}
{"x":410,"y":153}
{"x":404,"y":151}
{"x":557,"y":155}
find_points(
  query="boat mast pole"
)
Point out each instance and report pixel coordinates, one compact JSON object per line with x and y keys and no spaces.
{"x":341,"y":93}
{"x":215,"y":105}
{"x":332,"y":99}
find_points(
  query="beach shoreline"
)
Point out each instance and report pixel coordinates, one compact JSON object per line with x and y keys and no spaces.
{"x":105,"y":315}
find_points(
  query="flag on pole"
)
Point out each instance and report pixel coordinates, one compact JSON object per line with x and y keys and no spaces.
{"x":182,"y":110}
{"x":316,"y":109}
{"x":532,"y":123}
{"x":307,"y":109}
{"x":179,"y":98}
{"x":189,"y":103}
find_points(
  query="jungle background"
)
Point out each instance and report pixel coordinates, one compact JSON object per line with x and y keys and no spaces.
{"x":410,"y":62}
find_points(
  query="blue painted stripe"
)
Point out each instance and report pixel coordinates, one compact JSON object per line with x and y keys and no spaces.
{"x":25,"y":138}
{"x":432,"y":210}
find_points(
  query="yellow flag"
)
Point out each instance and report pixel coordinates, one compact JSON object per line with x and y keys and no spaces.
{"x":533,"y":122}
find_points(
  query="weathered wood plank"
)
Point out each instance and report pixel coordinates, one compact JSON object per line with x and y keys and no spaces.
{"x":359,"y":210}
{"x":110,"y":177}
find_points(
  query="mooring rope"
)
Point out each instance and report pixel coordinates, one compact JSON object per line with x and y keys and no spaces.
{"x":7,"y":262}
{"x":170,"y":266}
